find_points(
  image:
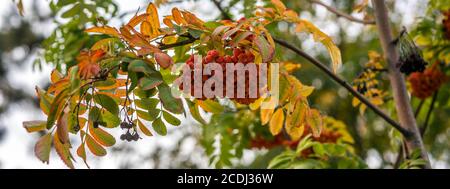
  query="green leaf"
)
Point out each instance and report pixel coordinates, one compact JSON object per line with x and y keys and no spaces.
{"x":107,"y":102}
{"x":195,"y":113}
{"x":33,"y":126}
{"x":45,"y":100}
{"x":146,"y":103}
{"x":210,"y":106}
{"x":63,"y":151}
{"x":146,"y":115}
{"x":56,"y":108}
{"x":150,"y":82}
{"x":264,"y":48}
{"x":140,"y":66}
{"x":42,"y":148}
{"x":94,"y":147}
{"x":159,"y":126}
{"x":101,"y":136}
{"x":169,"y":102}
{"x":171,"y":119}
{"x":111,"y":120}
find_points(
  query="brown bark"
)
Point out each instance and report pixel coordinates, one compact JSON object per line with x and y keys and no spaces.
{"x":402,"y":102}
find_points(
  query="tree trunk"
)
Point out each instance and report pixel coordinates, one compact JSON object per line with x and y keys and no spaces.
{"x":402,"y":102}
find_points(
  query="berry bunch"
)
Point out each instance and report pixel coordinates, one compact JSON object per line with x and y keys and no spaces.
{"x":425,"y":84}
{"x":239,"y":55}
{"x":129,"y":136}
{"x":446,"y":23}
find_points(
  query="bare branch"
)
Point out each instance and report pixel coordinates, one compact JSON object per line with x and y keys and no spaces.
{"x":343,"y":15}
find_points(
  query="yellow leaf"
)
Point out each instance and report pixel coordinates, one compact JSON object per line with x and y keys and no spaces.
{"x":291,"y":66}
{"x":355,"y":102}
{"x":314,"y":121}
{"x":266,"y":114}
{"x":104,"y":30}
{"x":153,"y":19}
{"x":276,"y":123}
{"x":295,"y":132}
{"x":168,"y":21}
{"x":146,"y":29}
{"x":333,"y":50}
{"x":55,"y":76}
{"x":305,"y":90}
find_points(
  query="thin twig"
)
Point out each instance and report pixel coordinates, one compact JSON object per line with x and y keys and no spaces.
{"x":343,"y":15}
{"x":419,"y":108}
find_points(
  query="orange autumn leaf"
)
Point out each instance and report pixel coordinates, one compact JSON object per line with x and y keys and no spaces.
{"x":88,"y":63}
{"x":104,"y":30}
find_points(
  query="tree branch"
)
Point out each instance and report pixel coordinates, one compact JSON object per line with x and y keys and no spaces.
{"x":430,"y":110}
{"x":341,"y":14}
{"x":397,"y":81}
{"x":333,"y":76}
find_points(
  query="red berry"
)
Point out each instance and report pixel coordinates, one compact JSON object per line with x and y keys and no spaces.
{"x":213,"y":53}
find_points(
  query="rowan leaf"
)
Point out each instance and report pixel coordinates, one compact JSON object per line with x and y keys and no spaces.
{"x":42,"y":148}
{"x":45,"y":100}
{"x":169,"y":102}
{"x":153,"y":19}
{"x":140,"y":66}
{"x":265,"y":115}
{"x":177,"y":17}
{"x":147,"y":115}
{"x":81,"y":152}
{"x":171,"y":119}
{"x":56,"y":108}
{"x":335,"y":53}
{"x":314,"y":121}
{"x":94,"y":147}
{"x":195,"y":113}
{"x":146,"y":103}
{"x":210,"y":106}
{"x":107,"y":102}
{"x":276,"y":123}
{"x":265,"y":49}
{"x":34,"y":126}
{"x":63,"y":151}
{"x":101,"y":136}
{"x":143,"y":128}
{"x":104,"y":30}
{"x":150,"y":82}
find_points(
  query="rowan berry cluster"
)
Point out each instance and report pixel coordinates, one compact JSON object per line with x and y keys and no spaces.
{"x":238,"y":55}
{"x":424,"y":84}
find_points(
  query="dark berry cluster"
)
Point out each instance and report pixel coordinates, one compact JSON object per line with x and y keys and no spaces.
{"x":129,"y":135}
{"x":238,"y":56}
{"x":446,"y":23}
{"x":424,"y":84}
{"x":410,"y":56}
